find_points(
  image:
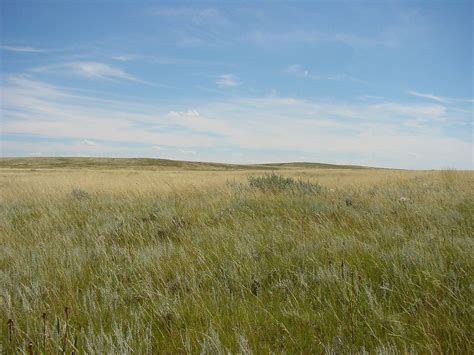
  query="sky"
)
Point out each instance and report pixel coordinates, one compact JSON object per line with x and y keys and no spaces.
{"x":376,"y":83}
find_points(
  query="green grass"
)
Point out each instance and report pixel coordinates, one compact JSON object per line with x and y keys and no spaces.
{"x":242,"y":269}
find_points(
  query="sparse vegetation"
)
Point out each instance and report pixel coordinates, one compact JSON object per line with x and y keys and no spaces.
{"x":142,"y":267}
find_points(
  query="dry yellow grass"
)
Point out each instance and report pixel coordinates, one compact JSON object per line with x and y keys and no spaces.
{"x":168,"y":260}
{"x":15,"y":183}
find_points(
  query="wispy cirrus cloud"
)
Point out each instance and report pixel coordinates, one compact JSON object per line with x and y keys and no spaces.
{"x":370,"y":97}
{"x":384,"y":133}
{"x":197,"y":26}
{"x":162,"y":60}
{"x":192,"y":119}
{"x":35,"y":108}
{"x":228,"y":81}
{"x":90,"y":143}
{"x":442,"y":99}
{"x":346,"y":77}
{"x":91,"y":70}
{"x":266,"y":38}
{"x":124,"y":58}
{"x":427,"y":96}
{"x":25,"y":49}
{"x":187,"y":151}
{"x":301,"y":72}
{"x":195,"y":15}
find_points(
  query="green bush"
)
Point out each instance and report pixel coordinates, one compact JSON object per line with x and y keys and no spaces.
{"x":277,"y":183}
{"x":79,"y":194}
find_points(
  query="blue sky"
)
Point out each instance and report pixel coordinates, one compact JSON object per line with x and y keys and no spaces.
{"x":380,"y":83}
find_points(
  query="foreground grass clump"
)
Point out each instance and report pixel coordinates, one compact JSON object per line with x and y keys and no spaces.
{"x":277,"y":183}
{"x":241,"y":269}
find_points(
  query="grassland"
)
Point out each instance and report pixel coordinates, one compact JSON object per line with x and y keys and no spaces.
{"x":137,"y":257}
{"x":147,"y":164}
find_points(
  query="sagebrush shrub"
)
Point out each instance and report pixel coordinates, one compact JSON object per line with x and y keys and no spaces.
{"x":277,"y":183}
{"x":79,"y":194}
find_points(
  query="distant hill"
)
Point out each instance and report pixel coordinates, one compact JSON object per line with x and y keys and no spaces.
{"x":150,"y":163}
{"x":304,"y":165}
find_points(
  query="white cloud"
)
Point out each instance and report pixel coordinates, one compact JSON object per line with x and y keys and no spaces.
{"x":25,"y":49}
{"x":89,"y":143}
{"x":298,"y":71}
{"x":428,"y":96}
{"x":413,"y":154}
{"x":346,"y":77}
{"x":204,"y":88}
{"x":35,"y":108}
{"x":441,"y":99}
{"x":99,"y":70}
{"x":92,"y":70}
{"x":187,"y":152}
{"x":196,"y":26}
{"x":227,"y":80}
{"x":345,"y":129}
{"x":123,"y":58}
{"x":383,"y":133}
{"x":370,"y":97}
{"x":192,"y":119}
{"x":314,"y":37}
{"x":408,"y":111}
{"x":196,"y":16}
{"x":166,"y":60}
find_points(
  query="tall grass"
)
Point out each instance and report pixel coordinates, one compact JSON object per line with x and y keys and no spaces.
{"x":242,"y":268}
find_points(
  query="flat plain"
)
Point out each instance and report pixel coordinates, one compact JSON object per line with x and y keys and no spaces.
{"x":157,"y":256}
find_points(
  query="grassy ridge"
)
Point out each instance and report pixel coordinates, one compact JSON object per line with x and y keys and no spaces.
{"x":146,"y":163}
{"x":248,"y":267}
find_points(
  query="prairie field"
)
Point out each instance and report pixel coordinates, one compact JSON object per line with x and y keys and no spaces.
{"x":144,"y":256}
